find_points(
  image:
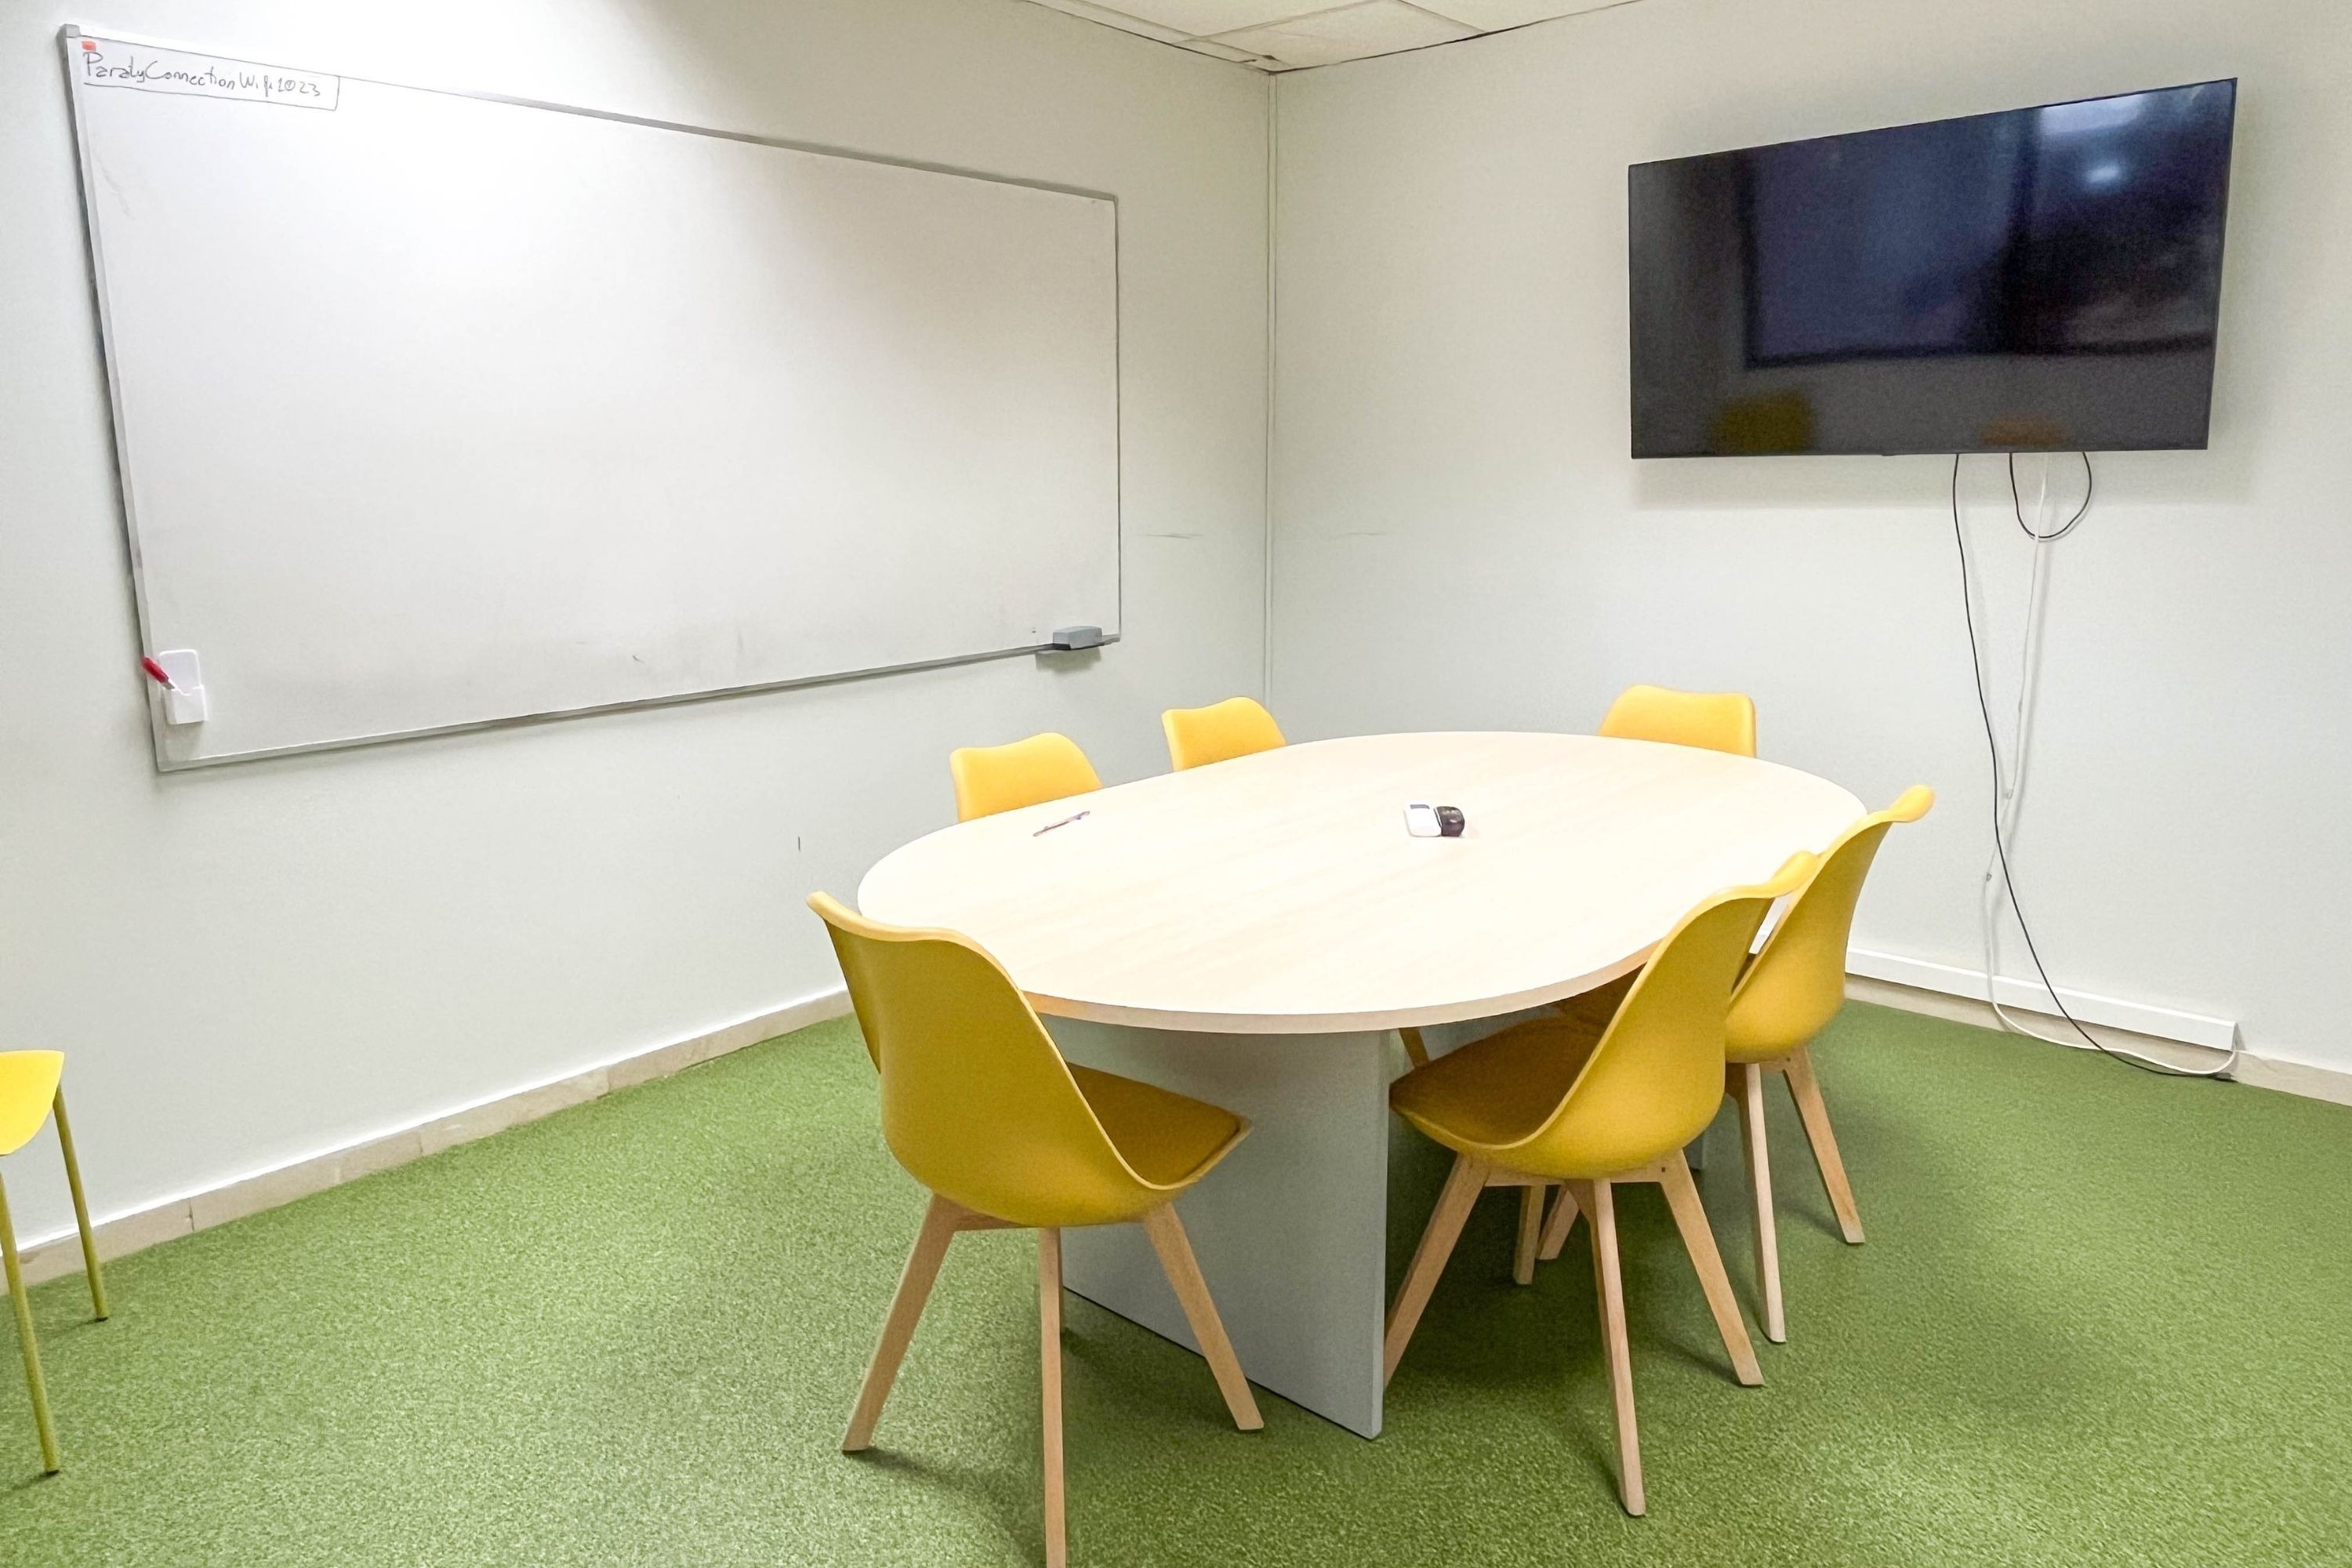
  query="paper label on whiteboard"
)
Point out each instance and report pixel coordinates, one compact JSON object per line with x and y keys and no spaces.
{"x":107,"y":62}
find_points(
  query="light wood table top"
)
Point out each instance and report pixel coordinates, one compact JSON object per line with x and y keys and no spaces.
{"x":1280,"y":894}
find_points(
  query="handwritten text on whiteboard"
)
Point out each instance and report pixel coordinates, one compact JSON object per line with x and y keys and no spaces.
{"x":104,"y":62}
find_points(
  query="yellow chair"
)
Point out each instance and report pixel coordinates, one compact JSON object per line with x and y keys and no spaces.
{"x":1791,"y":990}
{"x":978,"y":1107}
{"x":1561,"y":1099}
{"x":30,"y":1095}
{"x":1234,"y":727}
{"x":1714,"y":721}
{"x":989,"y":779}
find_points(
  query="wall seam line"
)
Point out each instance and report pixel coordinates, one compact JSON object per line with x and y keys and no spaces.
{"x":1273,"y":182}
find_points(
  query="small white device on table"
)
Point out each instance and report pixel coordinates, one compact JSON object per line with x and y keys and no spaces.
{"x":1250,"y":933}
{"x":1434,"y":821}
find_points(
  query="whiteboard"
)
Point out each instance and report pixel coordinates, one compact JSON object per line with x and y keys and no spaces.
{"x":437,"y":410}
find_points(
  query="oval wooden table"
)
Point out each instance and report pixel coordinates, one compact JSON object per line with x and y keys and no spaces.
{"x":1251,"y":933}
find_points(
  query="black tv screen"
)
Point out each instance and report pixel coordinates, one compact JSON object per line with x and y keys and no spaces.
{"x":2043,"y":279}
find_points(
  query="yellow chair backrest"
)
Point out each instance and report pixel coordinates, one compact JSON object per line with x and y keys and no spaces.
{"x":1715,"y":720}
{"x":1234,"y":727}
{"x":989,"y":779}
{"x":28,"y":1082}
{"x":1655,"y":1079}
{"x":976,"y":1103}
{"x":1798,"y":983}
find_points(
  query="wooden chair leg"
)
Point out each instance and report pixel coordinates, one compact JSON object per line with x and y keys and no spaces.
{"x":1594,"y":1198}
{"x":91,"y":1272}
{"x":1445,"y":1221}
{"x":50,"y":1463}
{"x":1531,"y":1214}
{"x":1806,"y":1089}
{"x":1416,"y":1050}
{"x":1183,"y":1271}
{"x":1698,"y":1240}
{"x":1049,"y":1369}
{"x":1747,"y":1080}
{"x":1555,"y":1231}
{"x":940,"y":1222}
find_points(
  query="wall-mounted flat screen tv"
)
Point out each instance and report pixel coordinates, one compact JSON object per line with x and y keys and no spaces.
{"x":2043,"y":279}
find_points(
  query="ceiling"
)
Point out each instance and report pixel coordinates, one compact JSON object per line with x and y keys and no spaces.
{"x":1292,"y":34}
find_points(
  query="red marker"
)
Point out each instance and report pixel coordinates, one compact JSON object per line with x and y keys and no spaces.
{"x":155,"y":671}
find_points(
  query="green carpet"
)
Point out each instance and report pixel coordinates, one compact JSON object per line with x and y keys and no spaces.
{"x":2102,"y":1317}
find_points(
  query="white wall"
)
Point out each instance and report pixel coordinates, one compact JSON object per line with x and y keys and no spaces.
{"x":255,"y":963}
{"x":1462,"y":540}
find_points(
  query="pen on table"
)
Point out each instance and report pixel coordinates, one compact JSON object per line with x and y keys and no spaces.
{"x":1063,"y":822}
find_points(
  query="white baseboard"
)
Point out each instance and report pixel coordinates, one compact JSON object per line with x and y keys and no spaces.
{"x":52,"y":1256}
{"x":2295,"y":1078}
{"x":1913,"y":984}
{"x":2158,"y":1023}
{"x":1966,"y":1004}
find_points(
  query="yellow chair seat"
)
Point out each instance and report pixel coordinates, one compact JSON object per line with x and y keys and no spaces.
{"x":1742,"y":1051}
{"x":980,"y":1106}
{"x":28,"y":1082}
{"x":1787,"y":995}
{"x":1498,"y":1091}
{"x":1169,"y":1139}
{"x":1594,"y":1104}
{"x":1598,"y":1005}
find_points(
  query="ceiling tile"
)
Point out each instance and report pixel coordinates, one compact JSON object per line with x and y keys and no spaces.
{"x":1199,"y":18}
{"x":1120,"y":19}
{"x":1350,"y":33}
{"x":1295,"y":35}
{"x":1220,"y":51}
{"x":1492,"y":16}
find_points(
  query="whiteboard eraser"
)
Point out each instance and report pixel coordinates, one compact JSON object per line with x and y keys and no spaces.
{"x":185,"y":702}
{"x":1078,"y":637}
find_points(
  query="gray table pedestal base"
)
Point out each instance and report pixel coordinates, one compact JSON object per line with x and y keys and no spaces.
{"x":1292,"y":1229}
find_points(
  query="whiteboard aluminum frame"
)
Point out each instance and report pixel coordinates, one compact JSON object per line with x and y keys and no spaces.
{"x":70,"y":35}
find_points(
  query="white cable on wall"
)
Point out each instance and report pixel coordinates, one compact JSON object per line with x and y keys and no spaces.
{"x":2010,"y":770}
{"x":2012,"y":785}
